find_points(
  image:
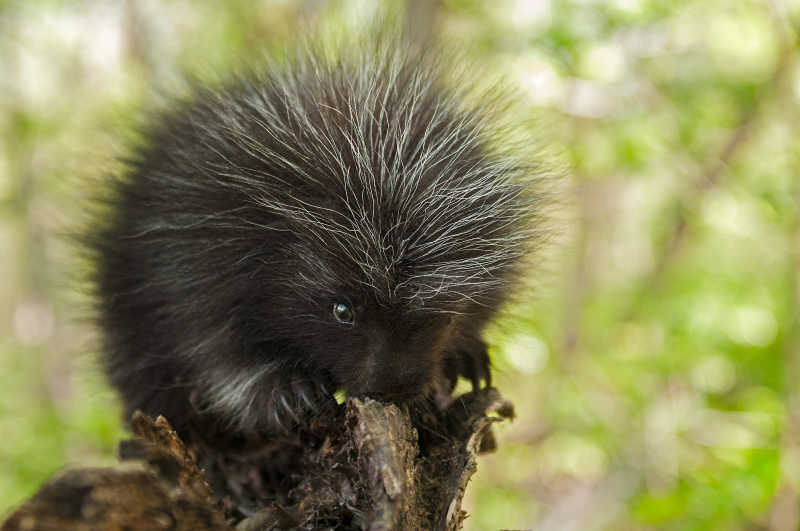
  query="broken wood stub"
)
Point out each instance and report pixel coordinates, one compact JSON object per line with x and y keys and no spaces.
{"x":371,"y":466}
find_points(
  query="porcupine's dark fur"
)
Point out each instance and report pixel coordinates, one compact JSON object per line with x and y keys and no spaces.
{"x":249,"y":211}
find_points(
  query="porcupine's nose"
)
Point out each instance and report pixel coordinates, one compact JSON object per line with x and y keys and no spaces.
{"x":392,"y":373}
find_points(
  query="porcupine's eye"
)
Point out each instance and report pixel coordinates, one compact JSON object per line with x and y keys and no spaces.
{"x":342,"y":313}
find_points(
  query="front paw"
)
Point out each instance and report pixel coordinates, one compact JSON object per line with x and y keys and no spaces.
{"x":470,"y":361}
{"x":298,"y":400}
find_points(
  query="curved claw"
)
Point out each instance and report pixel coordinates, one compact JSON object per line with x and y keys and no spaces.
{"x":288,"y":408}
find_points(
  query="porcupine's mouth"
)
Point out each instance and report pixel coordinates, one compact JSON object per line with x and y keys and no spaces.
{"x":407,"y":392}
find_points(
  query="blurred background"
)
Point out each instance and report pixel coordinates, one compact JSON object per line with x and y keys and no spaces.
{"x":656,"y":372}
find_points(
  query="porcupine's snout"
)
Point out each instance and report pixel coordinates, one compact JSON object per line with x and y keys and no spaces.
{"x":401,"y":358}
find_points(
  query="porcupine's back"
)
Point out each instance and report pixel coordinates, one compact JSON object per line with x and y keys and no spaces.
{"x":247,"y":211}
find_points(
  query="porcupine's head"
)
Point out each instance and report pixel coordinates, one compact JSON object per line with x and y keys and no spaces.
{"x":330,"y":224}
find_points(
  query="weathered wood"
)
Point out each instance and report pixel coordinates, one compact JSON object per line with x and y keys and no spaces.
{"x":370,"y":466}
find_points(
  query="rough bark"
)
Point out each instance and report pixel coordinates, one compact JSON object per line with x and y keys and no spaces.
{"x":371,"y":466}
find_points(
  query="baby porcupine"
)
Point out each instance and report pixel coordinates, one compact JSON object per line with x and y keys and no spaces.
{"x":341,"y":222}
